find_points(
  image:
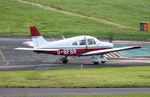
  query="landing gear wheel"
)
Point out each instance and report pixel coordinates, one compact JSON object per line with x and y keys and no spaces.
{"x":64,"y":60}
{"x":103,"y":59}
{"x":96,"y":63}
{"x":103,"y":62}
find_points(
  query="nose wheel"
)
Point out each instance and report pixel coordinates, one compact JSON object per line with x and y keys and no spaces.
{"x":64,"y":60}
{"x":95,"y":63}
{"x":102,"y":60}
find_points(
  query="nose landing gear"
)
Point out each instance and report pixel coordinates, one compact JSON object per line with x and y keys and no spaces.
{"x":101,"y":59}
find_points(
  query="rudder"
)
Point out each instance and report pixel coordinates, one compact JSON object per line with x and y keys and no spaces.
{"x":37,"y":38}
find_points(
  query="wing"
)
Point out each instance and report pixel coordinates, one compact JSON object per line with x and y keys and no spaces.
{"x":100,"y":52}
{"x":32,"y":49}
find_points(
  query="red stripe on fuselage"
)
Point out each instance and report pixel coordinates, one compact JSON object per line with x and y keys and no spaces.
{"x":70,"y":52}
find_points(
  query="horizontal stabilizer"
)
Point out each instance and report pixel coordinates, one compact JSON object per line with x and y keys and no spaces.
{"x":24,"y":49}
{"x":32,"y":49}
{"x":29,"y":43}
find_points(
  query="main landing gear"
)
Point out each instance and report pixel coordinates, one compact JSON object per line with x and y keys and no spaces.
{"x":101,"y":59}
{"x":64,"y":60}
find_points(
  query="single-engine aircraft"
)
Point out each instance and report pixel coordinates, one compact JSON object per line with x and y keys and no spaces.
{"x":74,"y":46}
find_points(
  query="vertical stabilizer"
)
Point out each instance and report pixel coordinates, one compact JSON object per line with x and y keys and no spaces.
{"x":38,"y":40}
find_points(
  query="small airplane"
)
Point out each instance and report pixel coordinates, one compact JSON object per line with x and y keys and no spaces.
{"x":74,"y":46}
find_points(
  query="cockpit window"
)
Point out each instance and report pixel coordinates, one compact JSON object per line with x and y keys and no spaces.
{"x":75,"y":43}
{"x":82,"y":42}
{"x":91,"y":41}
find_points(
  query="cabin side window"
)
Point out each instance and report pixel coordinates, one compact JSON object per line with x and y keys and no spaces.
{"x":82,"y":42}
{"x":75,"y":43}
{"x":91,"y":41}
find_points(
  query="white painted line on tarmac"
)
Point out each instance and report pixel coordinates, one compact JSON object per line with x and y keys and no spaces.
{"x":3,"y":58}
{"x":23,"y":66}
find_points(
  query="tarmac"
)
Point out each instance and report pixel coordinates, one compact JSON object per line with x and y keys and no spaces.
{"x":12,"y":60}
{"x":48,"y":92}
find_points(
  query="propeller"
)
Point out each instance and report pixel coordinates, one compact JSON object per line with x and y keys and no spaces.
{"x":110,"y":39}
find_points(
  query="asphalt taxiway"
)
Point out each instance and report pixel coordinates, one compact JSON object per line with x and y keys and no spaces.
{"x":11,"y":59}
{"x":44,"y":92}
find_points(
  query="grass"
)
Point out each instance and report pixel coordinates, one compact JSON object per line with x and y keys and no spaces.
{"x":17,"y":17}
{"x":78,"y":78}
{"x":127,"y":12}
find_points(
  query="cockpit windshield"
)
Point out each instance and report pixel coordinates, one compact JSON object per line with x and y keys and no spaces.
{"x":86,"y":40}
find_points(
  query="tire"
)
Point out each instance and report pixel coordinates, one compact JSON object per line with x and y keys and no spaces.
{"x":96,"y":63}
{"x":65,"y":61}
{"x":103,"y":62}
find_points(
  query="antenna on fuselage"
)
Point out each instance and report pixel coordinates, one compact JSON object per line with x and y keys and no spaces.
{"x":63,"y":36}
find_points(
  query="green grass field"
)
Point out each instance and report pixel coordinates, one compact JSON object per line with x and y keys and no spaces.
{"x":16,"y":17}
{"x":78,"y":78}
{"x":126,"y":12}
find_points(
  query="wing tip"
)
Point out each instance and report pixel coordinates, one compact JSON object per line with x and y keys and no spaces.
{"x":136,"y":47}
{"x":28,"y":49}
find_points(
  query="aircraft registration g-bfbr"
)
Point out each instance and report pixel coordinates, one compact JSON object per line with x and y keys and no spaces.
{"x":74,"y":46}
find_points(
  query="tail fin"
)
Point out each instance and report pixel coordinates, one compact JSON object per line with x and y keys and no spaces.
{"x":37,"y":39}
